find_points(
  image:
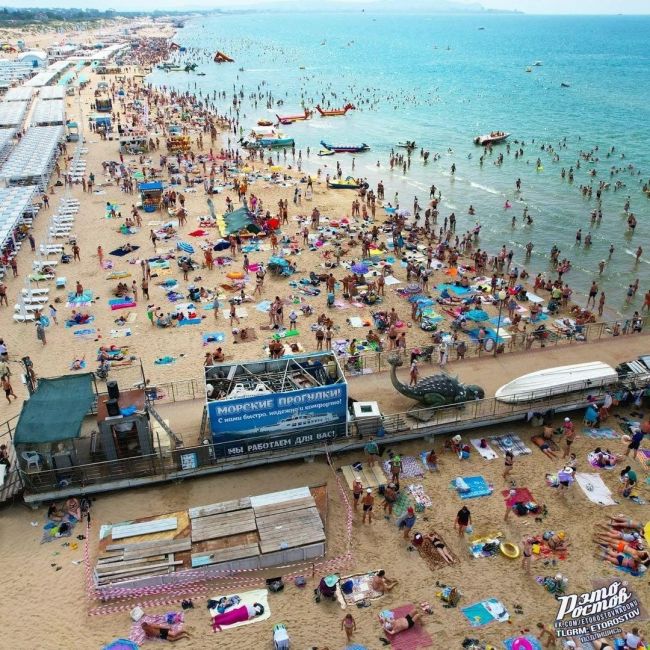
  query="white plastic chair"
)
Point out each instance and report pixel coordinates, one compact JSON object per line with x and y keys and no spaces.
{"x":33,"y":459}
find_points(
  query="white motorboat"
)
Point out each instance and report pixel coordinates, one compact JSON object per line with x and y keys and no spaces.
{"x":555,"y":381}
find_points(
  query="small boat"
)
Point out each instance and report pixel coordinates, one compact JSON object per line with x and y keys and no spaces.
{"x":495,"y":137}
{"x":556,"y":381}
{"x":268,"y":143}
{"x":326,"y":152}
{"x":538,"y":64}
{"x":407,"y":145}
{"x":345,"y":148}
{"x":264,"y":123}
{"x":220,"y":57}
{"x":564,"y":84}
{"x":349,"y":183}
{"x":529,"y":69}
{"x":200,"y":74}
{"x":480,"y":29}
{"x":336,"y":111}
{"x":290,"y":119}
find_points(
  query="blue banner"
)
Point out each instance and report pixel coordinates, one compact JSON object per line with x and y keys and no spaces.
{"x":319,"y":407}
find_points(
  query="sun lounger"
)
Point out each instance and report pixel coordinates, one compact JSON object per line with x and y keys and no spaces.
{"x":34,"y":300}
{"x":24,"y":318}
{"x":27,"y":307}
{"x":35,"y":291}
{"x":39,"y":264}
{"x":51,"y":249}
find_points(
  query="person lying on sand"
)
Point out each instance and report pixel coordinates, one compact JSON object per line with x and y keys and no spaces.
{"x":622,"y":521}
{"x":544,"y":446}
{"x":402,"y":623}
{"x":619,"y":559}
{"x":440,"y":547}
{"x":154,"y":631}
{"x":638,"y":553}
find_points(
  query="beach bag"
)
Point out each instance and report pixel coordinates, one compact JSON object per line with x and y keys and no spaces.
{"x":275,"y":585}
{"x":347,"y":587}
{"x":299,"y":581}
{"x":520,"y":509}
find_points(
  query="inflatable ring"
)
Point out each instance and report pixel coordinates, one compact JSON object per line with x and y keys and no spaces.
{"x":522,"y":643}
{"x":510,"y":550}
{"x":235,"y":275}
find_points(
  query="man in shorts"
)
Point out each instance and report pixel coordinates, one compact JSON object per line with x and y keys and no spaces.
{"x":367,"y":503}
{"x":357,"y":490}
{"x":569,"y":435}
{"x":402,"y":623}
{"x":635,"y":442}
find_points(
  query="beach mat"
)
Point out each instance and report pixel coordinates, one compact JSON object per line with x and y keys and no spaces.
{"x":119,"y":252}
{"x":411,"y":467}
{"x":287,"y":334}
{"x":600,"y":434}
{"x":592,"y":459}
{"x":478,"y":487}
{"x":413,"y":639}
{"x":190,"y":321}
{"x":485,"y":612}
{"x":486,"y":452}
{"x":511,"y":442}
{"x":432,"y":558}
{"x":213,"y":337}
{"x":371,"y":477}
{"x":118,"y":334}
{"x":248,"y":598}
{"x":595,"y":489}
{"x":361,"y":588}
{"x":517,"y":495}
{"x":88,"y":332}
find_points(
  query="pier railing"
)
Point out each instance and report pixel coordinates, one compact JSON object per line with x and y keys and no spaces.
{"x":187,"y":462}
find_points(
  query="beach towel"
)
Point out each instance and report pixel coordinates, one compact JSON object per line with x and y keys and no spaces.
{"x":411,"y":467}
{"x":511,"y":442}
{"x":213,"y":337}
{"x":247,"y":598}
{"x":356,"y":321}
{"x":85,"y":297}
{"x":286,"y":334}
{"x":52,"y":529}
{"x":600,"y":434}
{"x":118,"y":334}
{"x":486,"y":452}
{"x":241,"y":312}
{"x":361,"y":588}
{"x":120,"y":252}
{"x":390,"y":280}
{"x":118,"y":275}
{"x":173,"y":619}
{"x":533,"y":643}
{"x":82,"y":365}
{"x":478,"y":487}
{"x":85,"y":332}
{"x":421,"y":498}
{"x":518,"y":495}
{"x":190,"y":321}
{"x":431,"y":556}
{"x":413,"y":639}
{"x":485,"y":546}
{"x":592,"y":458}
{"x":263,"y":306}
{"x":595,"y":489}
{"x":123,"y":305}
{"x":485,"y":612}
{"x":459,"y":291}
{"x":163,"y":361}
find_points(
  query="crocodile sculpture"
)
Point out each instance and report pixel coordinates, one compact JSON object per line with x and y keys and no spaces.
{"x":435,"y":390}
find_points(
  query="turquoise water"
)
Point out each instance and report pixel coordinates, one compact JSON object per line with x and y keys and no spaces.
{"x":440,"y":80}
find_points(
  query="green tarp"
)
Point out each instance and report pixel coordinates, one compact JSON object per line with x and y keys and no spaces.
{"x":56,"y":410}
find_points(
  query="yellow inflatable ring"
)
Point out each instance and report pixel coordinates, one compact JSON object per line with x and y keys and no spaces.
{"x":235,"y":275}
{"x":510,"y":550}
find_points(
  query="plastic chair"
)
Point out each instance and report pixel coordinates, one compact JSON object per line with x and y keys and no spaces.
{"x":280,"y":637}
{"x":33,"y":459}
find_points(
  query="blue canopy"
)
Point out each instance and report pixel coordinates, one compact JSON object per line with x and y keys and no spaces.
{"x":150,"y":187}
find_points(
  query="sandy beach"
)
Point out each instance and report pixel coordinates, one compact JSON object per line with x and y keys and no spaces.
{"x":46,"y":604}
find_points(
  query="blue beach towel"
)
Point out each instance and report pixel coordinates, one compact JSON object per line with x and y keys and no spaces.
{"x":485,"y":612}
{"x":213,"y":337}
{"x":190,"y":321}
{"x":478,"y":487}
{"x":85,"y":332}
{"x":459,"y":291}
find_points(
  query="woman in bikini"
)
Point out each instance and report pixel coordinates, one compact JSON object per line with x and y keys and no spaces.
{"x":527,"y":554}
{"x":440,"y":546}
{"x":621,"y":521}
{"x":619,"y":559}
{"x":508,"y":465}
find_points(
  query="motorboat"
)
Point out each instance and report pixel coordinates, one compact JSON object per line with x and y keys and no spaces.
{"x":326,"y":152}
{"x":240,"y":390}
{"x":264,"y":123}
{"x":557,"y":381}
{"x":564,"y":84}
{"x":220,"y":57}
{"x":290,"y":119}
{"x":537,"y":64}
{"x":336,"y":111}
{"x":345,"y":148}
{"x":349,"y":183}
{"x":495,"y":137}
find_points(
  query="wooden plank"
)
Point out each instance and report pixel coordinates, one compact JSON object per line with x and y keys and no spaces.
{"x":144,"y":528}
{"x":151,"y":552}
{"x":112,"y":566}
{"x":103,"y":562}
{"x":279,"y":497}
{"x":225,"y":555}
{"x":308,"y":537}
{"x":286,"y":506}
{"x":219,"y":508}
{"x":183,"y":544}
{"x":148,"y":567}
{"x":107,"y":580}
{"x":223,"y":525}
{"x":288,"y":519}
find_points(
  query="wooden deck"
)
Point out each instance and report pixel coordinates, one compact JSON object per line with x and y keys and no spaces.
{"x":250,"y":532}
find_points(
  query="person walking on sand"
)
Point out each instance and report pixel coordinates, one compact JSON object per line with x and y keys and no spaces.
{"x":233,"y":314}
{"x":414,"y":373}
{"x":100,"y":254}
{"x":508,"y":464}
{"x":357,"y":491}
{"x":53,"y":313}
{"x":349,"y":626}
{"x":463,"y":520}
{"x":6,"y":386}
{"x":569,"y":435}
{"x":367,"y":502}
{"x":40,"y":333}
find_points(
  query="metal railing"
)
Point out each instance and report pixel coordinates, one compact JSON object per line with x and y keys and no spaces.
{"x":12,"y":484}
{"x":396,"y":427}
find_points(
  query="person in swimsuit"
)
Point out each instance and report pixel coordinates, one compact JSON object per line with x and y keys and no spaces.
{"x":440,"y":546}
{"x":357,"y":490}
{"x":619,"y":559}
{"x":622,"y":521}
{"x":463,"y":520}
{"x":615,"y":535}
{"x":154,"y":631}
{"x":508,"y":465}
{"x":381,"y":583}
{"x":602,"y":644}
{"x":402,"y":624}
{"x":569,"y":435}
{"x":544,"y":446}
{"x":367,"y":502}
{"x":390,"y":497}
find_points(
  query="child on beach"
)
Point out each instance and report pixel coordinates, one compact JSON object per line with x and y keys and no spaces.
{"x":349,"y":625}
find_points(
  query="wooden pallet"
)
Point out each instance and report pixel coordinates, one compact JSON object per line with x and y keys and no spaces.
{"x":223,"y":525}
{"x":144,"y":528}
{"x":219,"y":508}
{"x":290,"y":529}
{"x":285,"y":506}
{"x":225,"y":555}
{"x":371,"y":477}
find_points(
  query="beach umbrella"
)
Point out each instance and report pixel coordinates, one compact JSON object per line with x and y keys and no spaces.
{"x":184,"y":246}
{"x":121,"y":644}
{"x":273,"y":223}
{"x":359,"y":268}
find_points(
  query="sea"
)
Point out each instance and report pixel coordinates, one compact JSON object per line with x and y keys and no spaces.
{"x":578,"y":84}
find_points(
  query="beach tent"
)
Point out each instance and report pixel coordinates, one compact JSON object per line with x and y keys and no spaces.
{"x":56,"y":410}
{"x":237,"y":220}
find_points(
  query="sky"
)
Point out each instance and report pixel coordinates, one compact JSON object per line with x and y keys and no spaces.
{"x":527,"y":6}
